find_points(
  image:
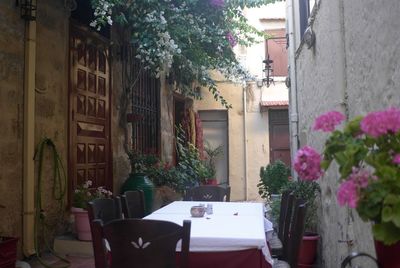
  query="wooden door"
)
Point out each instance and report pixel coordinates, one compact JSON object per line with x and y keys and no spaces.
{"x":89,"y":110}
{"x":279,"y":136}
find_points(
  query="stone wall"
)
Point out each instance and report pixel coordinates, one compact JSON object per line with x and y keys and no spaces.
{"x":11,"y":117}
{"x":353,"y":68}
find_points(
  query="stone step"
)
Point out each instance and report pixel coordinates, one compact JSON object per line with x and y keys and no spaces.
{"x":69,"y":245}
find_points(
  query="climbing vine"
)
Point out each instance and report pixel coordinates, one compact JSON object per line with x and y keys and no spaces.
{"x":184,"y":38}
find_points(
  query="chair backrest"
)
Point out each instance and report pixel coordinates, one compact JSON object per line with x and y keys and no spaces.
{"x":106,"y":210}
{"x":296,"y":232}
{"x":133,"y":205}
{"x":285,"y":214}
{"x":368,"y":258}
{"x":146,"y":243}
{"x":210,"y":193}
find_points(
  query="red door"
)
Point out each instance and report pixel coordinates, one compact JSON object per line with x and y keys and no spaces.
{"x":89,"y":110}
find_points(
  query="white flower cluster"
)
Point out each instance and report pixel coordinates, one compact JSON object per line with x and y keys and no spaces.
{"x":157,"y":54}
{"x":103,"y":193}
{"x":102,"y":13}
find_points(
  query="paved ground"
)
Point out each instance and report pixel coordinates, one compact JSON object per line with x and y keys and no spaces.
{"x":76,"y":262}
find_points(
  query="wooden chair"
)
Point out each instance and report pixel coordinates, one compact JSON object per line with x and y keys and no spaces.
{"x":143,"y":243}
{"x":285,"y":215}
{"x":106,"y":210}
{"x":133,"y":204}
{"x":291,"y":251}
{"x":209,"y":193}
{"x":347,"y":262}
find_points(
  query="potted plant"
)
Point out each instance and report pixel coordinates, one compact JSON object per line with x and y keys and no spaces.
{"x":82,"y":195}
{"x":138,"y":179}
{"x":307,"y":191}
{"x":367,"y":153}
{"x":273,"y":178}
{"x":212,"y":155}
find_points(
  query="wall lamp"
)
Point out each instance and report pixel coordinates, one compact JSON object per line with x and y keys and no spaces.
{"x":309,"y":37}
{"x":268,"y":70}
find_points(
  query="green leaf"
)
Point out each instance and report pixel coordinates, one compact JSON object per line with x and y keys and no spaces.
{"x":388,"y":233}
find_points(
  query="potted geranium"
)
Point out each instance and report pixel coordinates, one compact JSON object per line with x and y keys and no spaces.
{"x":82,"y":195}
{"x":367,"y":152}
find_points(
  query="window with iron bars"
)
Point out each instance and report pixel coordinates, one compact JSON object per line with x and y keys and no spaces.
{"x":145,"y":107}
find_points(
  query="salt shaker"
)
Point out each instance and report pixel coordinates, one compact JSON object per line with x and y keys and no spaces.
{"x":209,"y":209}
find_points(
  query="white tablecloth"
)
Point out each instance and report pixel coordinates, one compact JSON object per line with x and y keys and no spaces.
{"x":232,"y":226}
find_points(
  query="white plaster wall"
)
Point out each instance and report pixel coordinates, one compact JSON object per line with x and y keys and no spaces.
{"x":354,"y":67}
{"x":257,"y":140}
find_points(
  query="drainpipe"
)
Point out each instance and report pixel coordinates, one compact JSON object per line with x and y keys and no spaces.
{"x":245,"y":140}
{"x":293,"y":116}
{"x":342,"y":62}
{"x":29,"y":139}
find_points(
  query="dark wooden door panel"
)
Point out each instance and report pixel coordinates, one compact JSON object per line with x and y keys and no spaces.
{"x":89,"y":98}
{"x":279,"y":136}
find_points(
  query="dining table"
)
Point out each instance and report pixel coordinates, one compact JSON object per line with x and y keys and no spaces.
{"x":233,"y":236}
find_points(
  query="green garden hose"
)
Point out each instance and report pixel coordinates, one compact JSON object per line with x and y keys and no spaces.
{"x":59,"y":191}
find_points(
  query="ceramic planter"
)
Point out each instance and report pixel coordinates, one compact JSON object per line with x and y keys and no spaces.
{"x":308,"y":250}
{"x":82,"y":224}
{"x":139,"y":181}
{"x":388,"y":256}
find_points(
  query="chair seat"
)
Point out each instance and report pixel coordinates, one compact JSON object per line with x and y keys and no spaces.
{"x":280,"y":264}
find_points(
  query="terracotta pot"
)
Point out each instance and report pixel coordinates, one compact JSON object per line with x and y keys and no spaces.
{"x":388,"y":256}
{"x":82,"y":224}
{"x":211,"y":182}
{"x":308,"y":249}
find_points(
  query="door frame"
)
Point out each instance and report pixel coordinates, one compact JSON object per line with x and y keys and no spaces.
{"x":227,"y":138}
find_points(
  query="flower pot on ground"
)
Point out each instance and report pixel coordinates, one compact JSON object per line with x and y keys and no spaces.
{"x":308,"y":249}
{"x":211,"y":182}
{"x":388,"y":255}
{"x":82,"y":223}
{"x":8,"y":251}
{"x":141,"y":165}
{"x":82,"y":195}
{"x":139,"y":181}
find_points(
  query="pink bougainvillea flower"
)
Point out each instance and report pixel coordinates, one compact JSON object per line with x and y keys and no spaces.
{"x":217,"y":3}
{"x":360,"y":177}
{"x":396,"y":159}
{"x":379,"y":123}
{"x":307,"y":164}
{"x":328,"y":121}
{"x":347,"y":194}
{"x":231,"y":39}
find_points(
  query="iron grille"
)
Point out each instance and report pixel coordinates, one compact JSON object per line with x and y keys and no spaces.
{"x":146,"y":111}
